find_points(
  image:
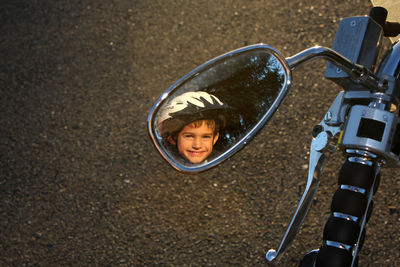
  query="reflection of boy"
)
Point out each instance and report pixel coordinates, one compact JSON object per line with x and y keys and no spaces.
{"x":191,"y":123}
{"x":196,"y":140}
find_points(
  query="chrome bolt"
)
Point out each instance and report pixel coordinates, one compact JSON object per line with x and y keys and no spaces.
{"x":320,"y":142}
{"x":271,"y":255}
{"x":328,"y":116}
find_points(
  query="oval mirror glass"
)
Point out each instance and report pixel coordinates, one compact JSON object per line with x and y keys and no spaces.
{"x":217,"y":108}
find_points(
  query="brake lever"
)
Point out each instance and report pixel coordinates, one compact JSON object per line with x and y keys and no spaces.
{"x":329,"y":127}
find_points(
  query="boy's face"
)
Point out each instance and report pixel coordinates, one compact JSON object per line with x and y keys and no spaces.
{"x":196,"y":143}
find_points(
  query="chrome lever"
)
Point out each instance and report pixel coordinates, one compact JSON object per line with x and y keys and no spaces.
{"x":330,"y":126}
{"x":316,"y":161}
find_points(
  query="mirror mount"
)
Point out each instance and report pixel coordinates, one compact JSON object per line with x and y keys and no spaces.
{"x":358,"y":73}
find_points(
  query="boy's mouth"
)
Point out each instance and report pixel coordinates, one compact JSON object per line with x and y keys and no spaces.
{"x":196,"y":153}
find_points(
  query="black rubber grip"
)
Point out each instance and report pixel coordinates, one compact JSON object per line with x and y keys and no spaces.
{"x":349,"y":202}
{"x":379,"y":14}
{"x":333,"y":257}
{"x":342,"y":231}
{"x":391,"y":29}
{"x":357,"y":174}
{"x":377,"y":182}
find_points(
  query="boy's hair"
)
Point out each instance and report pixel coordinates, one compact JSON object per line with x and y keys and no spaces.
{"x":213,"y":124}
{"x":210,"y":123}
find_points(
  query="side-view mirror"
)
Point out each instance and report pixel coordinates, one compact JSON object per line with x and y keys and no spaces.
{"x":213,"y":111}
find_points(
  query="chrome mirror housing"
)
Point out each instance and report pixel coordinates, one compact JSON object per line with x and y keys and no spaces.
{"x":214,"y":110}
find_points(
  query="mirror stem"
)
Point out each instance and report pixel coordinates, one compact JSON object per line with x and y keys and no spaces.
{"x":358,"y":73}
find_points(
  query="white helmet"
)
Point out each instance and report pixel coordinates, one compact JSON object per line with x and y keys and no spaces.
{"x":189,"y":107}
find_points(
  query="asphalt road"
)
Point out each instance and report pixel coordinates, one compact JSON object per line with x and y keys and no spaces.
{"x":82,"y":185}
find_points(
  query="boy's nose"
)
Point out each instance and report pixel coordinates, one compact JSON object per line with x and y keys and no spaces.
{"x":196,"y":143}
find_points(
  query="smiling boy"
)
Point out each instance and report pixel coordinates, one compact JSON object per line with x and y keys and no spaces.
{"x":191,"y":123}
{"x":196,"y":140}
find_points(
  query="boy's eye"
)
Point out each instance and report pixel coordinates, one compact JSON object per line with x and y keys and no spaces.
{"x":207,"y":136}
{"x":188,"y":135}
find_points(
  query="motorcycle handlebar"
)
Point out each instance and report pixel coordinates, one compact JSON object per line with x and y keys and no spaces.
{"x":358,"y":73}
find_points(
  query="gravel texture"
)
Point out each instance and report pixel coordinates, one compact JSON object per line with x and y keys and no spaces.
{"x":82,"y":185}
